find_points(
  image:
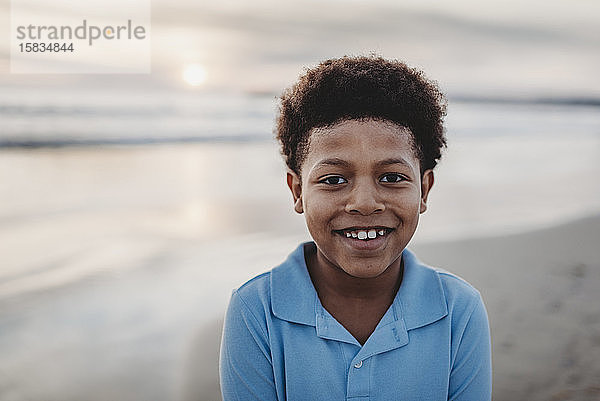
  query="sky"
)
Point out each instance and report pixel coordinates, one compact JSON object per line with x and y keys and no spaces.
{"x":486,"y":49}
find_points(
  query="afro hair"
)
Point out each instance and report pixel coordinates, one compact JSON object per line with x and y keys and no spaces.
{"x":362,"y":88}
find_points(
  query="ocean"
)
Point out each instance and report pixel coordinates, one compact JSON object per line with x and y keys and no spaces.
{"x":54,"y":117}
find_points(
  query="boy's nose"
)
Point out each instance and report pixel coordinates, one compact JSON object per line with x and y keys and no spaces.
{"x":364,"y":199}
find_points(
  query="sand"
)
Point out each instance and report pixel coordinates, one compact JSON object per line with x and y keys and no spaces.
{"x":117,"y":265}
{"x":542,"y":291}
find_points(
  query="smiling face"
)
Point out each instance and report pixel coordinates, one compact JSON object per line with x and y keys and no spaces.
{"x":361,"y":192}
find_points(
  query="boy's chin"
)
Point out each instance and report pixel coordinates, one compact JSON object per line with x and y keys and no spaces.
{"x":364,"y":272}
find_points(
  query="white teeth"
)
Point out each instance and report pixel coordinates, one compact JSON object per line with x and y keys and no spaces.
{"x":364,"y":234}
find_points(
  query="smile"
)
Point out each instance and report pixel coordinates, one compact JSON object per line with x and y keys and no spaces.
{"x":364,"y":234}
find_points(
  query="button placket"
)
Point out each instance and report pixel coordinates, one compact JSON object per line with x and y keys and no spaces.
{"x":358,"y":379}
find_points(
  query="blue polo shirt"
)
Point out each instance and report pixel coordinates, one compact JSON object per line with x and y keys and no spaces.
{"x":279,"y":343}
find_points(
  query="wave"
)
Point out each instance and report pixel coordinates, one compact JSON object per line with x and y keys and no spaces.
{"x":230,"y":120}
{"x":550,"y":101}
{"x":59,"y":143}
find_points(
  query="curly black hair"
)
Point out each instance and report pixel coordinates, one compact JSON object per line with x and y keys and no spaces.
{"x":364,"y":87}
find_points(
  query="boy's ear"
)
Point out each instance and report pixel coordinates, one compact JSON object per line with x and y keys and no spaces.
{"x":295,"y":185}
{"x":426,"y":184}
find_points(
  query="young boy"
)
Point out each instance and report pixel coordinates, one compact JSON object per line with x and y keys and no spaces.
{"x":355,"y":315}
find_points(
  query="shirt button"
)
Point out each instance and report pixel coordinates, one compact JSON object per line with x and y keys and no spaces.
{"x":358,"y":365}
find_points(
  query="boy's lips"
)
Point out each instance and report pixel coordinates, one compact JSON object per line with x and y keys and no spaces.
{"x":364,"y":233}
{"x":366,"y":238}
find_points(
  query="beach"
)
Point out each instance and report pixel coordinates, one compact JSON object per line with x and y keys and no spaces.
{"x":131,"y":205}
{"x":118,"y":262}
{"x":541,"y":292}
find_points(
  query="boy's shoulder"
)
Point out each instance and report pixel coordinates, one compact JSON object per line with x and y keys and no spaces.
{"x":281,"y":291}
{"x":458,"y":292}
{"x":261,"y":284}
{"x":456,"y":284}
{"x":255,"y":290}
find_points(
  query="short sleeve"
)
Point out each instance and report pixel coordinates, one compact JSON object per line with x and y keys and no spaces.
{"x":471,"y":374}
{"x":245,"y":367}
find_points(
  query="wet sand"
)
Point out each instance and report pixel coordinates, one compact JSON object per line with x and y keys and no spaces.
{"x":542,"y":291}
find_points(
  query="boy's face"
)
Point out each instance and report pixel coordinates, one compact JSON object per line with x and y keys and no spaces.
{"x":361,"y":193}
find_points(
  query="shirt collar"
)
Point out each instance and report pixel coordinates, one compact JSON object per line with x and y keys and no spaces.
{"x":421,"y":295}
{"x":293,"y":295}
{"x":419,"y":302}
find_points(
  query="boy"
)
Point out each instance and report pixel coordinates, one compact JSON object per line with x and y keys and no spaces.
{"x":354,"y":315}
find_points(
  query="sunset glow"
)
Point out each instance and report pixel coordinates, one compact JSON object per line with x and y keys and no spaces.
{"x":194,"y":74}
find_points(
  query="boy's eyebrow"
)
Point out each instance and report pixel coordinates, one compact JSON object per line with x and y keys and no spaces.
{"x":394,"y":160}
{"x":334,"y":161}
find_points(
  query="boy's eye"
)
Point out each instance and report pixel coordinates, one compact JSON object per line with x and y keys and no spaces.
{"x":333,"y":180}
{"x":392,"y":177}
